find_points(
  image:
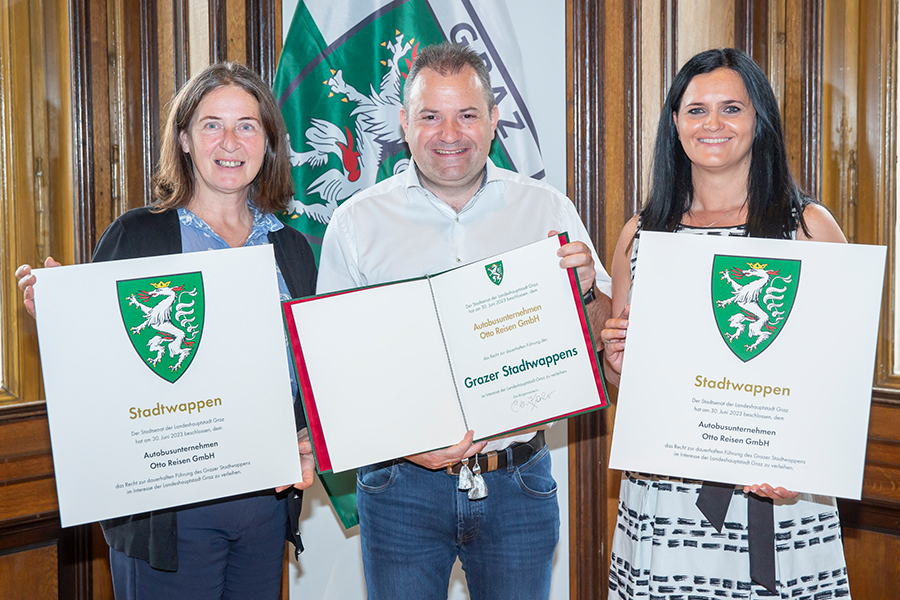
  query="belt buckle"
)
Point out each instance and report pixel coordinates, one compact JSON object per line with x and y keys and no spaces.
{"x":491,"y":461}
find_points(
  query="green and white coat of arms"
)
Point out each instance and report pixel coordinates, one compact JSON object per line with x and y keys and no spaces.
{"x":752,"y":299}
{"x":164,"y":319}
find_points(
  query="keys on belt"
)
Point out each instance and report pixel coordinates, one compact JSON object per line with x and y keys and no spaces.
{"x":471,"y":480}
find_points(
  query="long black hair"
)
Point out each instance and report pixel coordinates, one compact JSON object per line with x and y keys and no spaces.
{"x":774,"y":200}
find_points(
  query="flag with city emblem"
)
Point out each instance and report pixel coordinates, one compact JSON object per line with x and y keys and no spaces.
{"x":163,"y":316}
{"x":339,"y":85}
{"x":752,"y":299}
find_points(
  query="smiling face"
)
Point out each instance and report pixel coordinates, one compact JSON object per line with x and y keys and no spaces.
{"x":716,"y":122}
{"x":449,"y":131}
{"x":226,"y":142}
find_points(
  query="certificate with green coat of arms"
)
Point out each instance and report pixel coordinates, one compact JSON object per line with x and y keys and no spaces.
{"x":496,"y":346}
{"x":739,"y":367}
{"x":167,"y":381}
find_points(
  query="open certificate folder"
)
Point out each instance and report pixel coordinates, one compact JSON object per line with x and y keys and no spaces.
{"x":495,"y":346}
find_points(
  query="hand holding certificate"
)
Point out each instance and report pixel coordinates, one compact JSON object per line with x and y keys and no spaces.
{"x":496,"y":346}
{"x":152,"y":399}
{"x":746,"y":385}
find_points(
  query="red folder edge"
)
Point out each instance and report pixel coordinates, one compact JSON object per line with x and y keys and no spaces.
{"x":323,"y":459}
{"x":586,"y":330}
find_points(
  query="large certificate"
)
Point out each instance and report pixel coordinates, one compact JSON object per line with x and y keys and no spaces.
{"x":167,"y":381}
{"x":750,"y":361}
{"x":495,"y":346}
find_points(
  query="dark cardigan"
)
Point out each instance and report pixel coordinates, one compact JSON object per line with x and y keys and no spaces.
{"x":153,"y":536}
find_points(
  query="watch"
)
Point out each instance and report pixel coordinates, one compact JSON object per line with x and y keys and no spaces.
{"x":588,"y":296}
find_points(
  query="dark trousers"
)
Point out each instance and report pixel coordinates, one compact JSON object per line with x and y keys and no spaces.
{"x":227,"y":550}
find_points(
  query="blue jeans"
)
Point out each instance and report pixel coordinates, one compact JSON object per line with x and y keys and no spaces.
{"x":414,"y":523}
{"x":227,"y":550}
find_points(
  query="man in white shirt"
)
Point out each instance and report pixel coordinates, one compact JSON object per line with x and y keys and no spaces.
{"x":452,"y":207}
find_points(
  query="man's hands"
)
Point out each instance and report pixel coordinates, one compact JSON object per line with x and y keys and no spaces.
{"x":578,"y":255}
{"x":307,"y":462}
{"x":26,"y":280}
{"x":441,"y":459}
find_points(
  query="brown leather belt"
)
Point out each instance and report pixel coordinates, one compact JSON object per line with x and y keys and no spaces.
{"x":496,"y":459}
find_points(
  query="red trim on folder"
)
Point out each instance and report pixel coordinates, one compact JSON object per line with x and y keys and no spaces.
{"x":323,"y":459}
{"x":585,"y":329}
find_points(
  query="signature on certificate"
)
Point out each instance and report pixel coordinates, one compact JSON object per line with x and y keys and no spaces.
{"x":530,"y":401}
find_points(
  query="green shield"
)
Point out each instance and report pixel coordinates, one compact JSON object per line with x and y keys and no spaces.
{"x":163,"y":316}
{"x":495,"y":272}
{"x":752,"y":298}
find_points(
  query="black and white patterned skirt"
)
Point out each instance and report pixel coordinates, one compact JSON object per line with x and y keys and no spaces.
{"x":664,"y":549}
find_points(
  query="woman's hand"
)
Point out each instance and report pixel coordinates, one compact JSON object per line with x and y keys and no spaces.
{"x":26,"y":280}
{"x":307,"y":462}
{"x":613,"y":337}
{"x":767,"y":491}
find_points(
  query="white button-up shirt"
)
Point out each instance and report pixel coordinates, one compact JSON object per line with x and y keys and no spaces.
{"x":397,"y":230}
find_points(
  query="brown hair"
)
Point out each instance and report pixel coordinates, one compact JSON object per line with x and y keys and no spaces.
{"x":173,"y":183}
{"x":446,"y":59}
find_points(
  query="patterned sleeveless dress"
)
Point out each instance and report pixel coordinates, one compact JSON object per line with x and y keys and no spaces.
{"x":665,"y":549}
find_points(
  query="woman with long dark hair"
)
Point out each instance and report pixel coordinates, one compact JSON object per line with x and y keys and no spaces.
{"x":720,"y":168}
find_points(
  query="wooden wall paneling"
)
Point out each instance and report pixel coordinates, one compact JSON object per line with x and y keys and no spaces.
{"x":276,"y":35}
{"x":26,"y":467}
{"x":142,"y":108}
{"x":218,"y":30}
{"x":119,"y":150}
{"x":614,"y":191}
{"x":877,"y":127}
{"x":39,"y":141}
{"x":585,"y":114}
{"x":181,"y":42}
{"x":702,"y":24}
{"x":802,"y":90}
{"x":58,"y":110}
{"x":668,"y":42}
{"x":168,"y":74}
{"x":604,"y":158}
{"x":83,"y":151}
{"x":263,"y":35}
{"x":654,"y":39}
{"x":881,"y":484}
{"x":15,"y":206}
{"x":777,"y":36}
{"x":28,"y":507}
{"x":858,"y":183}
{"x":104,"y":210}
{"x":751,"y":26}
{"x":132,"y":108}
{"x":29,"y":575}
{"x":236,"y":30}
{"x":838,"y":146}
{"x":101,"y":577}
{"x":631,"y":135}
{"x":873,"y":168}
{"x":878,"y":576}
{"x":198,"y":18}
